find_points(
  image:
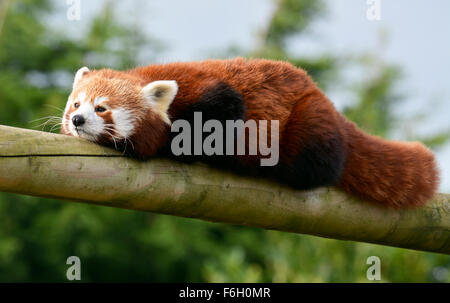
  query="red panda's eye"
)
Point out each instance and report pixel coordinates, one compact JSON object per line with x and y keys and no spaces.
{"x":76,"y":105}
{"x":100,"y":109}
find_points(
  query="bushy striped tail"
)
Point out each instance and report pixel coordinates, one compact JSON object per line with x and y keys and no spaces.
{"x":396,"y":174}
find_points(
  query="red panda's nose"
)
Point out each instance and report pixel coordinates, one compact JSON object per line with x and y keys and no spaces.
{"x":78,"y":120}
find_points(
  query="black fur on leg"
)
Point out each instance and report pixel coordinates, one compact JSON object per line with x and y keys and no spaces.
{"x":219,"y":102}
{"x":319,"y":164}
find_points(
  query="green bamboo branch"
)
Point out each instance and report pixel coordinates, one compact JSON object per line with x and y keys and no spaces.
{"x":56,"y":166}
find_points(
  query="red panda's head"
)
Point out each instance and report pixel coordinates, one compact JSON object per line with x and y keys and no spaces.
{"x":114,"y":108}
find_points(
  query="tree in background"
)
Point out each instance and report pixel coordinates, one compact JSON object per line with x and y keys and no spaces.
{"x":304,"y":258}
{"x":37,"y":235}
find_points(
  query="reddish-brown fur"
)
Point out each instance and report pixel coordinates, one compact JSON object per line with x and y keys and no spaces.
{"x":396,"y":174}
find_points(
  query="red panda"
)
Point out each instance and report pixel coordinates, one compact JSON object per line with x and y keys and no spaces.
{"x":318,"y":146}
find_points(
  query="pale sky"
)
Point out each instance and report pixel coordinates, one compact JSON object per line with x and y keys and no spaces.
{"x":417,"y":34}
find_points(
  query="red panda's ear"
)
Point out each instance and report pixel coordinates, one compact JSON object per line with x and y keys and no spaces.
{"x":160,"y":94}
{"x":80,"y":73}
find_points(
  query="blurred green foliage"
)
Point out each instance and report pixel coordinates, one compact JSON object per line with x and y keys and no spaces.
{"x":292,"y":17}
{"x":37,"y":235}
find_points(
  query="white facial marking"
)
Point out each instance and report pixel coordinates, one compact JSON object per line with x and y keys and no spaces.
{"x":93,"y":125}
{"x":99,"y":100}
{"x":123,"y":122}
{"x":81,"y":97}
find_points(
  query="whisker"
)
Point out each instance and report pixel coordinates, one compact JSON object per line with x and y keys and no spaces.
{"x":55,"y":107}
{"x":125,"y":148}
{"x":114,"y":140}
{"x":49,"y":121}
{"x":55,"y":126}
{"x":47,"y":117}
{"x":132,"y":145}
{"x":110,"y":129}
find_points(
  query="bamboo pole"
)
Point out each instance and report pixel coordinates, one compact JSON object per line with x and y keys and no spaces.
{"x":56,"y":166}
